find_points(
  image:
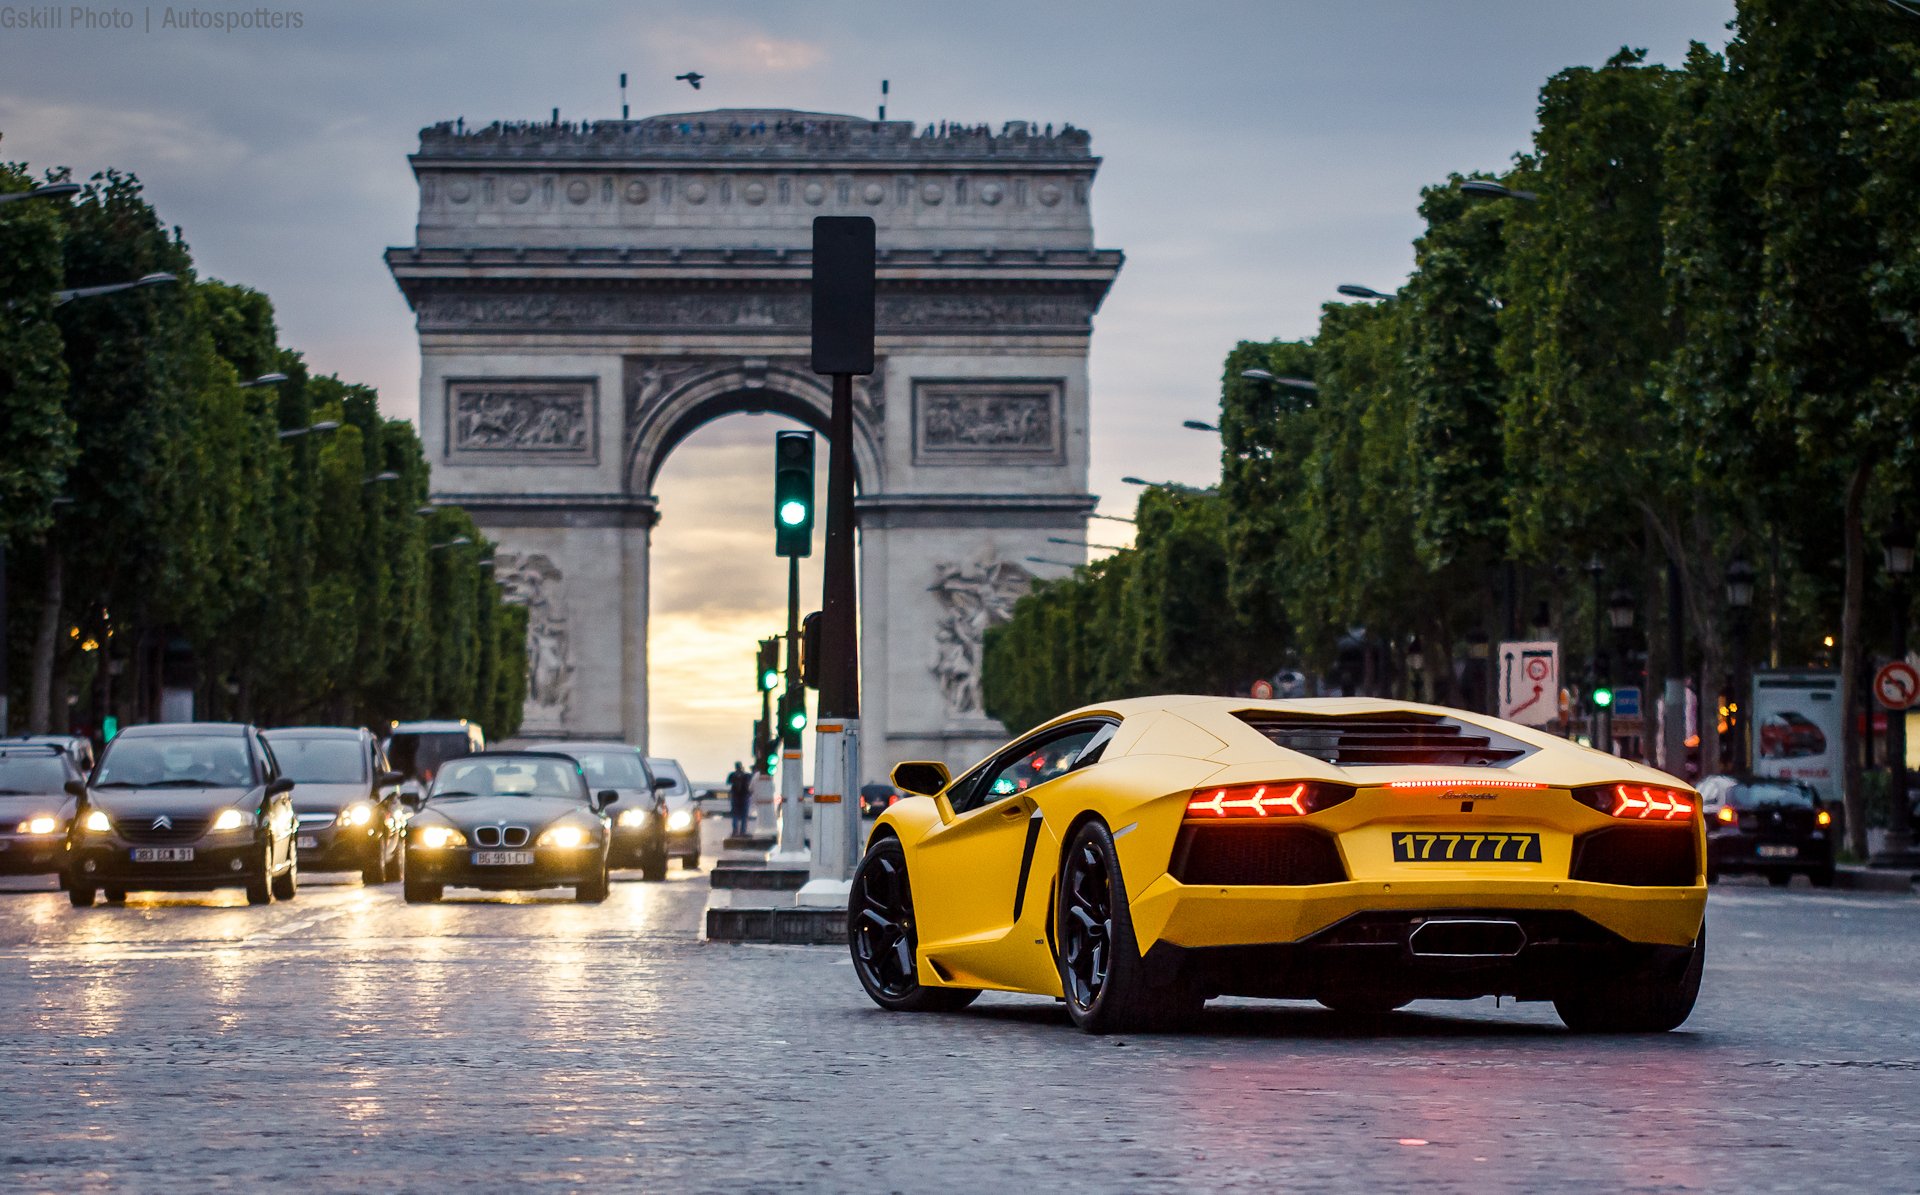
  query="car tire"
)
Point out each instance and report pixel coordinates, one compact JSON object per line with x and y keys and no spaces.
{"x":395,"y":866}
{"x":881,"y":937}
{"x":1780,"y":879}
{"x":114,"y":896}
{"x":260,"y":884}
{"x":594,"y":892}
{"x":286,"y":885}
{"x":1652,"y":999}
{"x":653,"y":864}
{"x":1102,"y":972}
{"x":690,"y":862}
{"x":420,"y":892}
{"x":80,"y":897}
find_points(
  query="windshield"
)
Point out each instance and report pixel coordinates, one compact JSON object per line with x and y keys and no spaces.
{"x":612,"y":769}
{"x":668,"y":769}
{"x":1762,"y":792}
{"x":506,"y":776}
{"x":37,"y":774}
{"x":176,"y":761}
{"x":321,"y":761}
{"x":421,"y":754}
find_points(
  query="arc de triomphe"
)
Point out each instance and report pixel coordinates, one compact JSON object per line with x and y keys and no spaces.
{"x":587,"y":294}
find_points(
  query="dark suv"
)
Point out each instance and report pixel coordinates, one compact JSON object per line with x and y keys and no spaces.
{"x":190,"y":805}
{"x":1769,"y":826}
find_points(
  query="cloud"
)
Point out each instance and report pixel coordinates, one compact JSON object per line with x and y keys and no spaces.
{"x":90,"y":137}
{"x":730,"y":46}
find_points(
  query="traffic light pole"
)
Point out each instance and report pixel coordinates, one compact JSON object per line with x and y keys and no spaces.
{"x":837,"y":748}
{"x":792,"y":844}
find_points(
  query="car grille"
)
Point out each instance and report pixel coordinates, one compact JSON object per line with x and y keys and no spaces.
{"x":500,"y":836}
{"x":1651,"y":857}
{"x":1255,"y":855}
{"x":319,"y":818}
{"x":1362,"y":740}
{"x":140,"y":828}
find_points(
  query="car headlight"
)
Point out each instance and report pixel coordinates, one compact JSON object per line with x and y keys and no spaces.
{"x":231,"y":819}
{"x":439,"y":837}
{"x":98,"y":820}
{"x":37,"y":825}
{"x":357,"y":814}
{"x":564,"y":837}
{"x":633,"y":817}
{"x":679,"y":819}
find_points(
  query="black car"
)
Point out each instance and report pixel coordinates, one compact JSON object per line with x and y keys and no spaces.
{"x":190,"y":805}
{"x":683,"y":812}
{"x":509,"y":819}
{"x":346,"y":800}
{"x":37,"y":786}
{"x":1768,"y":826}
{"x":876,"y":797}
{"x":640,"y":821}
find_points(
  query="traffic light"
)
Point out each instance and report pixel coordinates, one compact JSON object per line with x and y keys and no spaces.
{"x":793,"y":493}
{"x":767,"y":672}
{"x":793,"y":711}
{"x":1602,"y":697}
{"x":810,"y":650}
{"x":765,"y":748}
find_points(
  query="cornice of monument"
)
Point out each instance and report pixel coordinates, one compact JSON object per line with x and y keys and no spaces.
{"x":742,"y":136}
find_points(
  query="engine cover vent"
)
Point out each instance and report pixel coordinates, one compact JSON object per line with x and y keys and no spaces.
{"x":1387,"y":740}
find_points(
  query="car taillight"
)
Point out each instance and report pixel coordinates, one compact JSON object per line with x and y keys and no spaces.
{"x":1278,"y":798}
{"x":1727,"y":815}
{"x":1638,"y":802}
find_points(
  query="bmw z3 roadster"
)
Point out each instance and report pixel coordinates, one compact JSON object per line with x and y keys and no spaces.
{"x":1138,"y":858}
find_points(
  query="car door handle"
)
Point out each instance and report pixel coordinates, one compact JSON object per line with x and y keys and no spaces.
{"x":1014,"y":809}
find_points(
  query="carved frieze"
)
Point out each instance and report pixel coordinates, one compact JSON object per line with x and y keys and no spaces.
{"x":781,"y":310}
{"x":538,"y":420}
{"x":1013,"y":421}
{"x":972,"y":597}
{"x":536,"y":582}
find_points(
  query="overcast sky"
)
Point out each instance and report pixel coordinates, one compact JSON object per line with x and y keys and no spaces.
{"x":1256,"y":156}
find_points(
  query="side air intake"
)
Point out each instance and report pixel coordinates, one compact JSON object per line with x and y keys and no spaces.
{"x":1390,"y":739}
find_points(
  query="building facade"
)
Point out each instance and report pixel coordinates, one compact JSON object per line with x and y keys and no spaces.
{"x":588,"y":294}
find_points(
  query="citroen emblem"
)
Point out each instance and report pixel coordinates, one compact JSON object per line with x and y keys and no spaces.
{"x":163,"y":822}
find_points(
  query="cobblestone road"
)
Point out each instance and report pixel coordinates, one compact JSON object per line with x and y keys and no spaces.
{"x":348,"y":1040}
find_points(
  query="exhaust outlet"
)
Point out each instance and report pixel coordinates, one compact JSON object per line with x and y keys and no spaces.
{"x":1464,"y":937}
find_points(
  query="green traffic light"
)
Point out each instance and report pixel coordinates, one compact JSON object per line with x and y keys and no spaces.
{"x":769,"y":680}
{"x":797,"y":720}
{"x":793,"y":512}
{"x":1602,"y":698}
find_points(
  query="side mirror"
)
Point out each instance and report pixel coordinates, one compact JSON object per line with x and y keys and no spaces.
{"x":77,"y":789}
{"x":922,"y":777}
{"x":662,"y":783}
{"x":605,"y":797}
{"x":282,"y":785}
{"x":413,"y":800}
{"x":388,"y":779}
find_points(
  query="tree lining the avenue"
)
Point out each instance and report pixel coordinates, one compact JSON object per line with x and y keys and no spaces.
{"x":163,"y":530}
{"x":1692,"y":341}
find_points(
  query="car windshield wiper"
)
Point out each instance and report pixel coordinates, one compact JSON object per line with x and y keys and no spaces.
{"x":18,"y":792}
{"x":443,"y":796}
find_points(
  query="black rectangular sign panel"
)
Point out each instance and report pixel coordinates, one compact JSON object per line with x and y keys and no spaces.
{"x":843,"y":294}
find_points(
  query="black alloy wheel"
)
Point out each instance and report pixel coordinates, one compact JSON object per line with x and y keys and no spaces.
{"x":260,"y":883}
{"x":880,"y":933}
{"x":1101,"y":971}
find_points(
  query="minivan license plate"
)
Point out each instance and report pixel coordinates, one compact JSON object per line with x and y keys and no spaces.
{"x":502,"y":858}
{"x":163,"y":854}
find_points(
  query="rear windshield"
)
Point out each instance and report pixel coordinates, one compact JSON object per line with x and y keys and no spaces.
{"x":1759,"y":793}
{"x":22,"y":775}
{"x":321,"y":761}
{"x":420,"y":754}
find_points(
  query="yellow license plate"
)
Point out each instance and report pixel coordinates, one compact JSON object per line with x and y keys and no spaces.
{"x":1421,"y":846}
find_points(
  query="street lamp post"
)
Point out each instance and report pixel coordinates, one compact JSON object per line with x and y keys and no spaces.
{"x":1199,"y":425}
{"x":50,"y":191}
{"x":325,"y":425}
{"x":1739,"y":604}
{"x":1897,"y":851}
{"x":62,"y":297}
{"x":265,"y":379}
{"x":1486,"y":188}
{"x":1601,"y":666}
{"x":1354,"y":291}
{"x":1081,"y":543}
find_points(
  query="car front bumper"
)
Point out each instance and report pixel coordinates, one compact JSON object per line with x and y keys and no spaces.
{"x":552,"y":867}
{"x":337,"y":847}
{"x":632,"y":845}
{"x":31,"y":854}
{"x":226,"y":862}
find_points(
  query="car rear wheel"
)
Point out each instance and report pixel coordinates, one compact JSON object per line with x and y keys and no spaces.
{"x":1650,"y":999}
{"x":1779,"y":879}
{"x":880,"y":933}
{"x":1821,"y":877}
{"x":419,"y":892}
{"x":1101,"y":970}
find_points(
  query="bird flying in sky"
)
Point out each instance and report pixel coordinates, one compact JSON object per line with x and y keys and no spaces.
{"x":692,"y":79}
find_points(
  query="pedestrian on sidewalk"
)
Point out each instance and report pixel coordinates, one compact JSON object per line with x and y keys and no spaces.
{"x":740,"y":798}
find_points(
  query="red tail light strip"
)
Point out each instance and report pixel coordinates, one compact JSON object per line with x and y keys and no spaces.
{"x":1647,"y":803}
{"x":1279,"y":798}
{"x":1475,"y":784}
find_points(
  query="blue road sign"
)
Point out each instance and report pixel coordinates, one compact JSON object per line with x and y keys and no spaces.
{"x":1626,"y":701}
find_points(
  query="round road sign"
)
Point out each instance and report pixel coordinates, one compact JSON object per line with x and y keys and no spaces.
{"x":1263,"y":688}
{"x":1897,"y":685}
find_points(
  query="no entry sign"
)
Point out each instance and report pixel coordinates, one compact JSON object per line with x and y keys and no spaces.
{"x":1897,"y":685}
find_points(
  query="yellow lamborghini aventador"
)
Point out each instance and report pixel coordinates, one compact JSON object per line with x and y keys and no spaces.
{"x":1137,"y":858}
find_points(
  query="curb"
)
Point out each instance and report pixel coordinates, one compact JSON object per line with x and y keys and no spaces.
{"x":761,"y":878}
{"x":1866,"y":879}
{"x":785,"y":927}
